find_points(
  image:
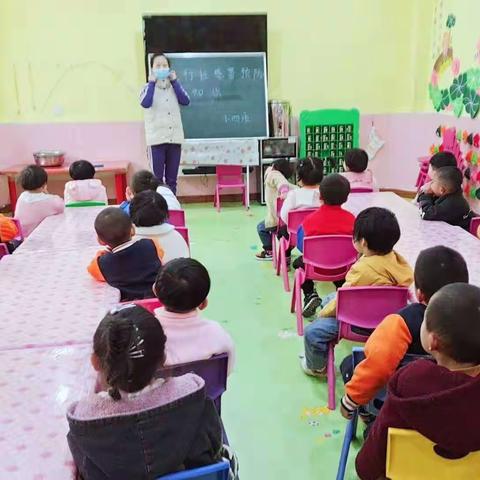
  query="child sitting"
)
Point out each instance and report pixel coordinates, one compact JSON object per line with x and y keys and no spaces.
{"x":357,"y":172}
{"x":329,"y":219}
{"x":444,"y":200}
{"x":127,"y":264}
{"x":35,"y":203}
{"x":375,"y":233}
{"x":276,"y":186}
{"x":399,"y":333}
{"x":149,"y":213}
{"x":439,"y":160}
{"x":182,"y":286}
{"x":83,"y":187}
{"x":437,"y":399}
{"x":309,"y":176}
{"x":137,"y":425}
{"x":145,"y":180}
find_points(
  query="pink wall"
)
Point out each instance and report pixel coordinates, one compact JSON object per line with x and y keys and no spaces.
{"x":407,"y":137}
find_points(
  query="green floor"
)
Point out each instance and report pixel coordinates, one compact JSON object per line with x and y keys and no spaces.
{"x":275,"y":416}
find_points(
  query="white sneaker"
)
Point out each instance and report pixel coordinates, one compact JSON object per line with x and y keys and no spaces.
{"x":312,"y":373}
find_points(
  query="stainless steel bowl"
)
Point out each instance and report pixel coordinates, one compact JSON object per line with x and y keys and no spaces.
{"x":49,"y":158}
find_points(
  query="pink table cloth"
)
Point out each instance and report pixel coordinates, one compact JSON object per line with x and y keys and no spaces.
{"x":418,"y":234}
{"x":69,"y":231}
{"x":50,"y":299}
{"x":36,"y":387}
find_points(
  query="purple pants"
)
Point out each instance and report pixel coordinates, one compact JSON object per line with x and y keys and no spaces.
{"x":165,"y":163}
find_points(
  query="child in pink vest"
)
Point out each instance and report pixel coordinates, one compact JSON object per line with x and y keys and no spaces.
{"x":35,"y":203}
{"x":182,"y":286}
{"x":84,"y":187}
{"x":358,"y":174}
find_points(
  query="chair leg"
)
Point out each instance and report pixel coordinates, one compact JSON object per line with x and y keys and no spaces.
{"x":331,"y":376}
{"x":218,"y":199}
{"x":284,"y":270}
{"x":347,"y":440}
{"x":281,"y":253}
{"x":274,"y":250}
{"x":297,"y":294}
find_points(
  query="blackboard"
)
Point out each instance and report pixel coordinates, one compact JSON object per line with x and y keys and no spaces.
{"x":228,"y":94}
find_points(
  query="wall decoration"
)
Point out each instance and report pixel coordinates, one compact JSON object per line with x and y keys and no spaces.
{"x":451,"y":89}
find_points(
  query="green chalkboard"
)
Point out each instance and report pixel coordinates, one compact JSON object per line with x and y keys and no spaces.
{"x":228,"y":94}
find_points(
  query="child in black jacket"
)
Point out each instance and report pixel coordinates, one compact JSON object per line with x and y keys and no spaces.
{"x":444,"y":200}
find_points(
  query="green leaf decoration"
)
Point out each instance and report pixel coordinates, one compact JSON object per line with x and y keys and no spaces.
{"x":472,"y":102}
{"x":445,"y":99}
{"x":451,"y":21}
{"x":458,"y":86}
{"x":435,"y":96}
{"x":457,"y":106}
{"x":473,"y":78}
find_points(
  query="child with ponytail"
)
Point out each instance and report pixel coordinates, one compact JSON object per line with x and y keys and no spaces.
{"x":137,"y":425}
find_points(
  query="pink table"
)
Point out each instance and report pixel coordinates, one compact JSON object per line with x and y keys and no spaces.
{"x":418,"y":234}
{"x":69,"y":231}
{"x":53,"y":299}
{"x":36,"y":387}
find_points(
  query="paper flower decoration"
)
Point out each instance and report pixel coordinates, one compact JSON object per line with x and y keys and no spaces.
{"x":471,"y":100}
{"x":455,"y":67}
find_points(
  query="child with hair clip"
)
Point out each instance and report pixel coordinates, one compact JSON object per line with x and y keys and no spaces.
{"x":35,"y":203}
{"x":149,"y":213}
{"x":309,"y":176}
{"x":137,"y":425}
{"x":145,"y":180}
{"x":84,"y":187}
{"x":438,"y":399}
{"x":357,"y":171}
{"x":276,"y":186}
{"x":182,"y":286}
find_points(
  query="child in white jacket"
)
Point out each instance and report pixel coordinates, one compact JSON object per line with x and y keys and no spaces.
{"x":84,"y":187}
{"x":149,"y":213}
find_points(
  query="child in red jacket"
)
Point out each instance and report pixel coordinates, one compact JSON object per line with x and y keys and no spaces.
{"x":437,"y":399}
{"x":329,"y":219}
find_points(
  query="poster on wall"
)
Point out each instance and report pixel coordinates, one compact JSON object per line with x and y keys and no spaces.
{"x":455,"y":78}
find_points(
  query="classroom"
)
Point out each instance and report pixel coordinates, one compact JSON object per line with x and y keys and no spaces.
{"x":239,"y":240}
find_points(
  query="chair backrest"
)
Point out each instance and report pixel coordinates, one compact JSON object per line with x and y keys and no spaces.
{"x":411,"y":456}
{"x":217,"y":471}
{"x":329,"y":252}
{"x":3,"y":250}
{"x":366,"y":307}
{"x":474,"y":224}
{"x":20,"y":236}
{"x":150,"y":304}
{"x":183,"y":231}
{"x":229,"y":174}
{"x":361,"y":190}
{"x":294,"y":219}
{"x":86,"y":204}
{"x":177,"y":218}
{"x":213,"y":370}
{"x":451,"y":144}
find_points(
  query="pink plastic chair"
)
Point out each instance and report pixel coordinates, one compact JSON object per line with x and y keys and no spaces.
{"x":327,"y":258}
{"x":294,"y":220}
{"x":183,"y":231}
{"x":3,"y":250}
{"x":150,"y":304}
{"x":474,"y":224}
{"x":423,"y":172}
{"x":229,"y":177}
{"x":177,"y":218}
{"x":20,"y":236}
{"x":361,"y":307}
{"x":361,"y":190}
{"x":278,"y":207}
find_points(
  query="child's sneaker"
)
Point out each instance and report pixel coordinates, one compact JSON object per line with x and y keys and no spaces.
{"x":264,"y":256}
{"x":310,"y":305}
{"x":312,"y":373}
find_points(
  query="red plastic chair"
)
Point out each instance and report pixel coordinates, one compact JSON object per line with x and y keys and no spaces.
{"x":278,"y":207}
{"x":361,"y":190}
{"x":229,"y":177}
{"x":327,"y":258}
{"x":183,"y":231}
{"x":150,"y":304}
{"x":365,"y":308}
{"x":177,"y":218}
{"x":294,"y":220}
{"x":474,"y":224}
{"x":3,"y":250}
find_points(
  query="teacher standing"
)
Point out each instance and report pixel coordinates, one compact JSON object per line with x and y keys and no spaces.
{"x":161,"y":98}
